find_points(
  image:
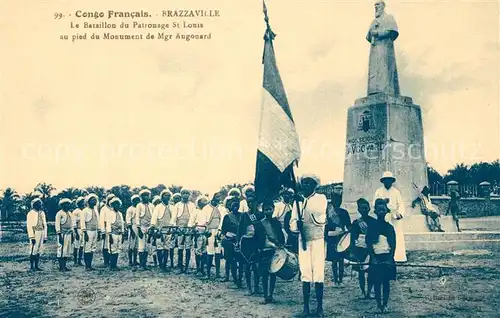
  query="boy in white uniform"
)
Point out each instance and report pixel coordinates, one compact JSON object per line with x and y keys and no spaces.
{"x":90,"y":228}
{"x":143,"y":216}
{"x":132,"y":227}
{"x":183,"y":217}
{"x":36,"y":225}
{"x":162,"y":215}
{"x":102,"y":228}
{"x":212,"y":215}
{"x":115,"y":229}
{"x":65,"y":231}
{"x":78,"y":243}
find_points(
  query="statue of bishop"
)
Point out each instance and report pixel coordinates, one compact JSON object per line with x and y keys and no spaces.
{"x":382,"y":71}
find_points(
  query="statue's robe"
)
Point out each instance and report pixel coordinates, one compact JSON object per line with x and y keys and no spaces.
{"x":382,"y":72}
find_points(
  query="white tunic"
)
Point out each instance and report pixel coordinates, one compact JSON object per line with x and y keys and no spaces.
{"x":130,"y":216}
{"x":178,"y":212}
{"x":32,"y":221}
{"x":312,"y":260}
{"x":395,"y":205}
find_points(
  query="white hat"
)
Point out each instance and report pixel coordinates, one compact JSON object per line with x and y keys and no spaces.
{"x":144,"y":191}
{"x":388,"y":175}
{"x":34,"y":201}
{"x":289,"y":190}
{"x":175,"y":195}
{"x":135,"y":196}
{"x":246,"y":188}
{"x":109,"y":196}
{"x":311,"y":176}
{"x":185,"y":190}
{"x":156,"y":199}
{"x":65,"y":200}
{"x":165,"y":191}
{"x":115,"y":199}
{"x":234,"y":190}
{"x":79,"y":199}
{"x":90,"y":196}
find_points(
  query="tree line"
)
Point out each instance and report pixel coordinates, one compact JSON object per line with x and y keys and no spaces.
{"x":15,"y":206}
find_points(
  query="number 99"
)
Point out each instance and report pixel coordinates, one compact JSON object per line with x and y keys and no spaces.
{"x":58,"y":15}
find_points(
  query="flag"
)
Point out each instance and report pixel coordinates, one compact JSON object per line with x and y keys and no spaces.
{"x":278,"y":147}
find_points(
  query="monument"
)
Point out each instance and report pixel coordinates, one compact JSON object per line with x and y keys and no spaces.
{"x":384,"y":129}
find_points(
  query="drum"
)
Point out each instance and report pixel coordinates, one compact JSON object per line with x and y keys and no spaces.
{"x":284,"y":264}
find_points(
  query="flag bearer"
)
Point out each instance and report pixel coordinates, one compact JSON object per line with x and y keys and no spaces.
{"x":90,"y":228}
{"x":160,"y":220}
{"x":183,"y":217}
{"x":115,"y":229}
{"x":78,"y":243}
{"x":143,"y":215}
{"x":132,"y":228}
{"x":36,"y":225}
{"x":65,"y":231}
{"x":311,"y":226}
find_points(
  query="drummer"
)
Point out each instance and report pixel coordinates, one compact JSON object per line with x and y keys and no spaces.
{"x":269,"y":236}
{"x":359,"y":229}
{"x":338,"y":223}
{"x":229,"y":229}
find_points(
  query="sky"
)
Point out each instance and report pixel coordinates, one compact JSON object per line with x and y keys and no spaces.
{"x":174,"y":112}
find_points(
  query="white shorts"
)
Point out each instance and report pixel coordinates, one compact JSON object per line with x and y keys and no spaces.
{"x":211,"y":248}
{"x":142,"y":243}
{"x":65,"y":249}
{"x":117,"y":243}
{"x":312,"y":261}
{"x":38,"y":247}
{"x":91,"y":245}
{"x":132,"y":241}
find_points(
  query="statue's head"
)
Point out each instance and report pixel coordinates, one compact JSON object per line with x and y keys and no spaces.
{"x":379,"y":8}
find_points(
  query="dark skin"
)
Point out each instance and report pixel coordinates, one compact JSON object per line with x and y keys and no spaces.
{"x":165,"y":198}
{"x":185,"y":196}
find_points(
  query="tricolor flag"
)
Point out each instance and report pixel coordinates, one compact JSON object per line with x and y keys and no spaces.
{"x":278,"y":149}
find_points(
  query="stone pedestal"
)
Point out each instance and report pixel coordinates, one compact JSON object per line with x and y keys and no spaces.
{"x":384,"y":133}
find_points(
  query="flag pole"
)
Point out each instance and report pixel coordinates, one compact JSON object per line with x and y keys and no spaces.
{"x":299,"y":214}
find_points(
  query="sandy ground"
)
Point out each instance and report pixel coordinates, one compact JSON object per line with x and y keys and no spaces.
{"x":472,"y":289}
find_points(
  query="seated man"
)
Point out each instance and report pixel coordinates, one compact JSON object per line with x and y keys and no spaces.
{"x":430,"y":211}
{"x":269,"y":237}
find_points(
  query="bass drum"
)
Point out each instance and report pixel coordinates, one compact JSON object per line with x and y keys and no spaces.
{"x":284,"y":264}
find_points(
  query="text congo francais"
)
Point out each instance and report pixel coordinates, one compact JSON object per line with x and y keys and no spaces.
{"x":110,"y":14}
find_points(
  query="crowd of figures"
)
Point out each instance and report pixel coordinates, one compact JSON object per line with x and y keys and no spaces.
{"x":278,"y":238}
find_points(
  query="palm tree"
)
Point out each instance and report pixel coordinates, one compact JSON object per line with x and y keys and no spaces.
{"x":10,"y":202}
{"x":45,"y":189}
